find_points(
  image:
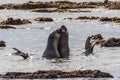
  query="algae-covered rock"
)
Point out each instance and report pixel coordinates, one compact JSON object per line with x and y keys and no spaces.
{"x":11,"y":21}
{"x":52,"y":74}
{"x":43,"y":19}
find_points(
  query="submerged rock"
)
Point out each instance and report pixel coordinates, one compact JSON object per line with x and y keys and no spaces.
{"x":57,"y":10}
{"x":85,"y":17}
{"x":2,"y":43}
{"x":107,"y":19}
{"x":56,"y":74}
{"x":44,"y":19}
{"x":11,"y":21}
{"x":6,"y":27}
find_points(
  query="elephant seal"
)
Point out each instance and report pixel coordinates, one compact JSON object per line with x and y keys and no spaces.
{"x":51,"y":50}
{"x":63,"y":46}
{"x":89,"y":46}
{"x":20,"y":53}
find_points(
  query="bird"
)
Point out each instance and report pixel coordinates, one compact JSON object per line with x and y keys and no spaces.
{"x":20,"y":53}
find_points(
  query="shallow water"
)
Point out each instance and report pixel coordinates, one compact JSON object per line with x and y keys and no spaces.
{"x":32,"y":38}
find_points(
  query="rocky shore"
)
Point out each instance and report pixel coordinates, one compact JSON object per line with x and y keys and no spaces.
{"x":60,"y":5}
{"x":51,"y":74}
{"x":107,"y":19}
{"x":11,"y":21}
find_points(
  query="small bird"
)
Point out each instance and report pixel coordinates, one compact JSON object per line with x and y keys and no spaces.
{"x":89,"y":46}
{"x":20,"y":53}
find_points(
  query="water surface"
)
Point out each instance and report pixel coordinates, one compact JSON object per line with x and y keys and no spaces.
{"x":32,"y":38}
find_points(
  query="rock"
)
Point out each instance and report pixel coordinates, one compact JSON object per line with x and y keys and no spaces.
{"x":105,"y":19}
{"x":57,"y":10}
{"x":62,"y":5}
{"x":85,"y":17}
{"x":2,"y":43}
{"x":11,"y":21}
{"x":44,"y":19}
{"x":52,"y":4}
{"x":111,"y":42}
{"x":6,"y":27}
{"x":52,"y":74}
{"x":112,"y":5}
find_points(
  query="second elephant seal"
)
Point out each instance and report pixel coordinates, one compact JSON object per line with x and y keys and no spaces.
{"x":63,"y":46}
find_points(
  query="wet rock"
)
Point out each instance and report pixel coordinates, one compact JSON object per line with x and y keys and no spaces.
{"x":44,"y":19}
{"x":112,"y":5}
{"x":11,"y":21}
{"x":103,"y":19}
{"x":6,"y":27}
{"x":58,"y":10}
{"x":55,"y":4}
{"x":114,"y":19}
{"x":62,"y":5}
{"x":85,"y":17}
{"x":2,"y":43}
{"x":111,"y":42}
{"x":56,"y":74}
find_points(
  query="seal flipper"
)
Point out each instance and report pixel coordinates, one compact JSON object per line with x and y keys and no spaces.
{"x":20,"y":53}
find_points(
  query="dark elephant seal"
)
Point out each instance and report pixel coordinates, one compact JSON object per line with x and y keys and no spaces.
{"x":89,"y":46}
{"x":51,"y":50}
{"x":63,"y":46}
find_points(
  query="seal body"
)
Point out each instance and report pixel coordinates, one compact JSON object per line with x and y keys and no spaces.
{"x":51,"y":50}
{"x":89,"y":46}
{"x":87,"y":43}
{"x":63,"y":46}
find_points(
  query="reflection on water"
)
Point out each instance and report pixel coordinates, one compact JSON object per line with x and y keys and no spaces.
{"x":34,"y":42}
